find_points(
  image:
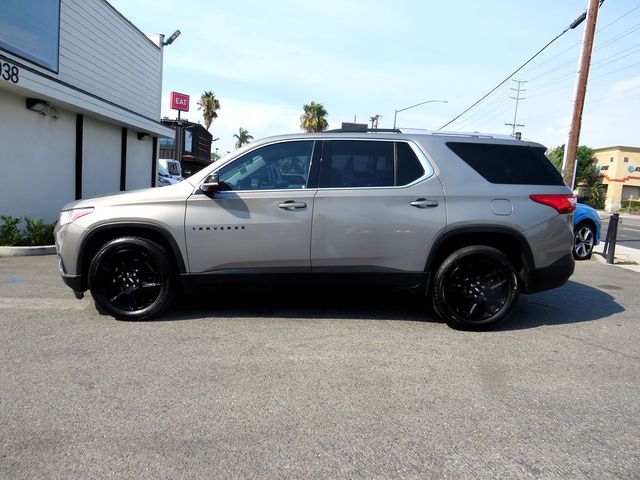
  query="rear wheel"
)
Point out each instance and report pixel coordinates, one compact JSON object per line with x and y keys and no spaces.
{"x":475,"y":288}
{"x":583,"y":241}
{"x":130,"y":278}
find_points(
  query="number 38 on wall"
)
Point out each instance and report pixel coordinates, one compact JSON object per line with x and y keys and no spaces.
{"x":9,"y":72}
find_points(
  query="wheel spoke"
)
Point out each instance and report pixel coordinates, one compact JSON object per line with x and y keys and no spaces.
{"x":473,"y":307}
{"x":118,"y":295}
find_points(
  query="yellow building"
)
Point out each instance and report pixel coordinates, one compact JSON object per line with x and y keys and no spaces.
{"x":619,"y":170}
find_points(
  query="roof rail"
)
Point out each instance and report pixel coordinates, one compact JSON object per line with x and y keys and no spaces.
{"x":362,"y":128}
{"x":447,"y":133}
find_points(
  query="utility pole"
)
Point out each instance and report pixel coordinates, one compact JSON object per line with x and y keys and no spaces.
{"x":374,"y":120}
{"x":569,"y":162}
{"x":517,"y":98}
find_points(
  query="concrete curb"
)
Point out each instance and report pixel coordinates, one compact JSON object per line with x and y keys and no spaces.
{"x":27,"y":251}
{"x":628,"y":258}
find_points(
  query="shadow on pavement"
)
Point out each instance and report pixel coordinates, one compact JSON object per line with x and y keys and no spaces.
{"x":573,"y":303}
{"x":305,"y":303}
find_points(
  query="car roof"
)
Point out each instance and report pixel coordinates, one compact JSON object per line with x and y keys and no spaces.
{"x":403,"y":134}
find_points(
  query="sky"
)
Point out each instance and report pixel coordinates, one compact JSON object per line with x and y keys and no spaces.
{"x":265,"y":60}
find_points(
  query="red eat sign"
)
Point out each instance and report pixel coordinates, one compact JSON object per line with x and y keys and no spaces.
{"x":179,"y":101}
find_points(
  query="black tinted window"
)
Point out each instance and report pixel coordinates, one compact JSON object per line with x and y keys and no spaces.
{"x":277,"y":166}
{"x":409,"y":167}
{"x":508,"y":164}
{"x":353,"y":163}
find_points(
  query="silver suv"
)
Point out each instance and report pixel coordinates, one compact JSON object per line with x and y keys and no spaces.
{"x":468,"y":220}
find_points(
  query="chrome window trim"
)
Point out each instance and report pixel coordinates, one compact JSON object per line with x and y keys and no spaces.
{"x":420,"y":155}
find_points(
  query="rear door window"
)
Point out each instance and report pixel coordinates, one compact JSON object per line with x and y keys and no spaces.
{"x":364,"y":163}
{"x":409,"y":167}
{"x":357,"y":163}
{"x":508,"y":164}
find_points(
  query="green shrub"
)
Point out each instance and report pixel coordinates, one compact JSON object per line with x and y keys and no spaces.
{"x":597,"y":203}
{"x":35,"y":232}
{"x":10,"y":233}
{"x":630,"y":205}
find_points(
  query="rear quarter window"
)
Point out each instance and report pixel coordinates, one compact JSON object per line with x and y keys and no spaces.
{"x":508,"y":164}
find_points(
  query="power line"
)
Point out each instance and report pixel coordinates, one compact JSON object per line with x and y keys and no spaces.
{"x":619,"y":18}
{"x":480,"y":119}
{"x":500,"y":99}
{"x":574,"y":24}
{"x":618,"y":70}
{"x":629,"y":12}
{"x":620,"y":36}
{"x":558,"y":67}
{"x":499,"y":114}
{"x":610,"y":41}
{"x":555,"y":81}
{"x":613,"y":59}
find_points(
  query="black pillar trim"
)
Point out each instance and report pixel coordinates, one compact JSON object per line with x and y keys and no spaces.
{"x":79,"y":142}
{"x":123,"y":161}
{"x":154,"y":161}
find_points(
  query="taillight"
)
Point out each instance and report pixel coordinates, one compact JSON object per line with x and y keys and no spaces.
{"x":562,"y":203}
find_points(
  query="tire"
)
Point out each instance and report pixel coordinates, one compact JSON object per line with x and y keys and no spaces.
{"x":583,"y":240}
{"x":475,"y":288}
{"x":131,"y":278}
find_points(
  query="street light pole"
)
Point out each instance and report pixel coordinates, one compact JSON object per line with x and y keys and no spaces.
{"x":395,"y":115}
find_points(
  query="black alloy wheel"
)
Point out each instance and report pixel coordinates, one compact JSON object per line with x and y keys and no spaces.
{"x":583,"y":241}
{"x":475,"y":288}
{"x":130,"y":278}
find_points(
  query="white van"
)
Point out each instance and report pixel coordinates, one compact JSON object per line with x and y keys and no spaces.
{"x":169,"y":172}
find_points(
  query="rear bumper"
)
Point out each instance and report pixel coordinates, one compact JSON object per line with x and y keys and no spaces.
{"x":546,"y":278}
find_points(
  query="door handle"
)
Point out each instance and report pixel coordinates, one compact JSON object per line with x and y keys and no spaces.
{"x":292,"y":205}
{"x":424,"y":203}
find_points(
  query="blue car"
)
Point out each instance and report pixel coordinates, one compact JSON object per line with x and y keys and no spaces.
{"x":586,"y":231}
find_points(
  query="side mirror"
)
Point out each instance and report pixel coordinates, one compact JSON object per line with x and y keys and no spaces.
{"x":211,"y":183}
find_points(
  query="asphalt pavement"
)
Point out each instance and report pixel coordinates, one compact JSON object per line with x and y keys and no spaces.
{"x":253,"y":384}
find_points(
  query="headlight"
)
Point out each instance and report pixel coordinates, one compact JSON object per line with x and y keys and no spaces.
{"x":163,"y":181}
{"x":70,"y":216}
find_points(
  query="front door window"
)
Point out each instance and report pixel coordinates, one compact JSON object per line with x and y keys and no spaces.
{"x":273,"y":167}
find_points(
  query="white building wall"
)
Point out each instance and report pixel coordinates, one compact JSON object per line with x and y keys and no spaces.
{"x":139,"y":159}
{"x":37,"y":160}
{"x":101,"y":158}
{"x":109,"y":72}
{"x":102,"y":53}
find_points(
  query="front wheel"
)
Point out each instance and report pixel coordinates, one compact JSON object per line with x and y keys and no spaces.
{"x":583,"y":241}
{"x":475,"y":288}
{"x":130,"y":278}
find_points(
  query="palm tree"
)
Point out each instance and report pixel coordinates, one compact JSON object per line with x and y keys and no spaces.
{"x":209,"y":105}
{"x":242,"y":137}
{"x":314,"y":119}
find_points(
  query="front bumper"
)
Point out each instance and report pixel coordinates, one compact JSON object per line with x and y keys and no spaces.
{"x":74,"y":282}
{"x":552,"y":276}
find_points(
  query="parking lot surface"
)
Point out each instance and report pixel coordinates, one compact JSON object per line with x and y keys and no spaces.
{"x":251,"y":384}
